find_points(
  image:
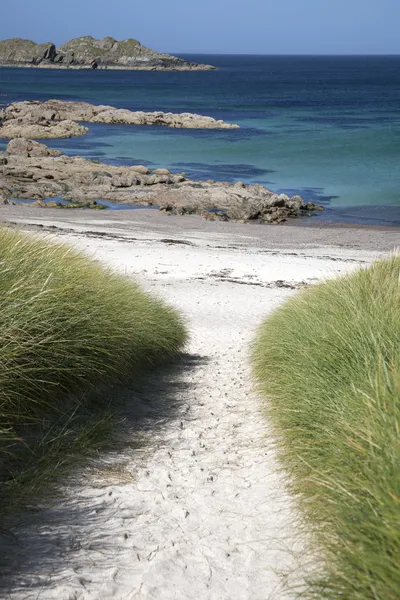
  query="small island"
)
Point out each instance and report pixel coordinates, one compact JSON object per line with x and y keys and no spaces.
{"x":88,"y":53}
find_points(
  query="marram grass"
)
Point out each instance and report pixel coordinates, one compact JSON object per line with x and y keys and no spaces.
{"x":67,"y":326}
{"x":328,"y":365}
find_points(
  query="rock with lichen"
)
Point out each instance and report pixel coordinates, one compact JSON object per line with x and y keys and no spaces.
{"x":89,"y":53}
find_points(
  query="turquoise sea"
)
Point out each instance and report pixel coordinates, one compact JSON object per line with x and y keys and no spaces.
{"x":327,"y":128}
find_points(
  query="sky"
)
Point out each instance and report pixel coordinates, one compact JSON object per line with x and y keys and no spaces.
{"x":214,"y":26}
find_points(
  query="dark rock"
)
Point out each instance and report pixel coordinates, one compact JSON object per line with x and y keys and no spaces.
{"x":5,"y":193}
{"x":215,"y":216}
{"x":50,"y":53}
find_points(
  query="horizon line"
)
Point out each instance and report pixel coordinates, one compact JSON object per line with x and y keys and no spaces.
{"x":280,"y":54}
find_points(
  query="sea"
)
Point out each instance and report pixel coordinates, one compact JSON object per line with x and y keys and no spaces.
{"x":324,"y":127}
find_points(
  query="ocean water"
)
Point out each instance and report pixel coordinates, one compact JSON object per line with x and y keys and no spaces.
{"x":327,"y":128}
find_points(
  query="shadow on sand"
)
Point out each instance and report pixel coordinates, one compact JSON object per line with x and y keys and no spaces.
{"x":34,"y":547}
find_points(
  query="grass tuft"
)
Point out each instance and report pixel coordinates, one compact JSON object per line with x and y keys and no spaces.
{"x":328,"y":364}
{"x":67,"y":326}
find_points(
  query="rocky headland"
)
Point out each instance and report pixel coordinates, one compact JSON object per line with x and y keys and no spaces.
{"x":59,"y":119}
{"x":31,"y":170}
{"x":88,"y":53}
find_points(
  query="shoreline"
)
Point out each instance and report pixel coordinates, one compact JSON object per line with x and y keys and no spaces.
{"x":349,"y":178}
{"x":322,"y":223}
{"x":60,"y":119}
{"x":109,"y":68}
{"x":142,"y":223}
{"x":34,"y":171}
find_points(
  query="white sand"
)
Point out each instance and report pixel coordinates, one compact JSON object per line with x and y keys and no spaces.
{"x":201,"y":512}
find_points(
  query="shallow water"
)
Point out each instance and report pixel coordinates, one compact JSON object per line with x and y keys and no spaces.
{"x":327,"y":128}
{"x":107,"y":203}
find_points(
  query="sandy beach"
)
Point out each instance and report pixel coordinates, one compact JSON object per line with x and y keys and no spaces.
{"x":199,"y":510}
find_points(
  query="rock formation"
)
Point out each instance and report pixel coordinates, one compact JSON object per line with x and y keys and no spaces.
{"x":58,"y":119}
{"x":31,"y":170}
{"x":89,"y":53}
{"x":22,"y":128}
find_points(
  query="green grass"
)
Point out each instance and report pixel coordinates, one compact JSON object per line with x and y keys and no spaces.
{"x":328,"y":365}
{"x":67,"y":327}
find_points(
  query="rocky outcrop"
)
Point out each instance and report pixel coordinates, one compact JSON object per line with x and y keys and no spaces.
{"x":28,"y":149}
{"x":88,"y":53}
{"x":45,"y":129}
{"x":29,"y":169}
{"x":59,"y":119}
{"x":25,"y":52}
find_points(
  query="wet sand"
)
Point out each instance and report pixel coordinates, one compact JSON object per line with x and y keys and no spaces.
{"x":303,"y":233}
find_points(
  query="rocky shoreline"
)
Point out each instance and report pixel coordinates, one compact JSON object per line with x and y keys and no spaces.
{"x":60,"y":119}
{"x":89,"y":53}
{"x":138,"y":67}
{"x":31,"y":170}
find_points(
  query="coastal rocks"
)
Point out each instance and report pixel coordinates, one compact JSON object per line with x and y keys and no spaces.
{"x":5,"y":193}
{"x":227,"y":201}
{"x":30,"y":170}
{"x":88,"y":53}
{"x":43,"y":129}
{"x":182,"y":120}
{"x":140,"y":169}
{"x":52,"y":113}
{"x":16,"y":51}
{"x":125,"y":180}
{"x":30,"y":148}
{"x":129,"y":54}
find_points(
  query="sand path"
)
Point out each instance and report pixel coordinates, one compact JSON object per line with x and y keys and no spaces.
{"x":200,"y":512}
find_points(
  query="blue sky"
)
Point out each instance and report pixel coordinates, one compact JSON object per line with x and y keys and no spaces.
{"x":215,"y":26}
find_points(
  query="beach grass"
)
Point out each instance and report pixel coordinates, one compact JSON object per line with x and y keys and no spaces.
{"x":68,"y":328}
{"x":328,"y":367}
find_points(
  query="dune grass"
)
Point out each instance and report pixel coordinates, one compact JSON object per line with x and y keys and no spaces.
{"x":328,"y":365}
{"x":67,"y":326}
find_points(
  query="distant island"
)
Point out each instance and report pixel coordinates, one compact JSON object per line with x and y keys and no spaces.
{"x":88,"y":53}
